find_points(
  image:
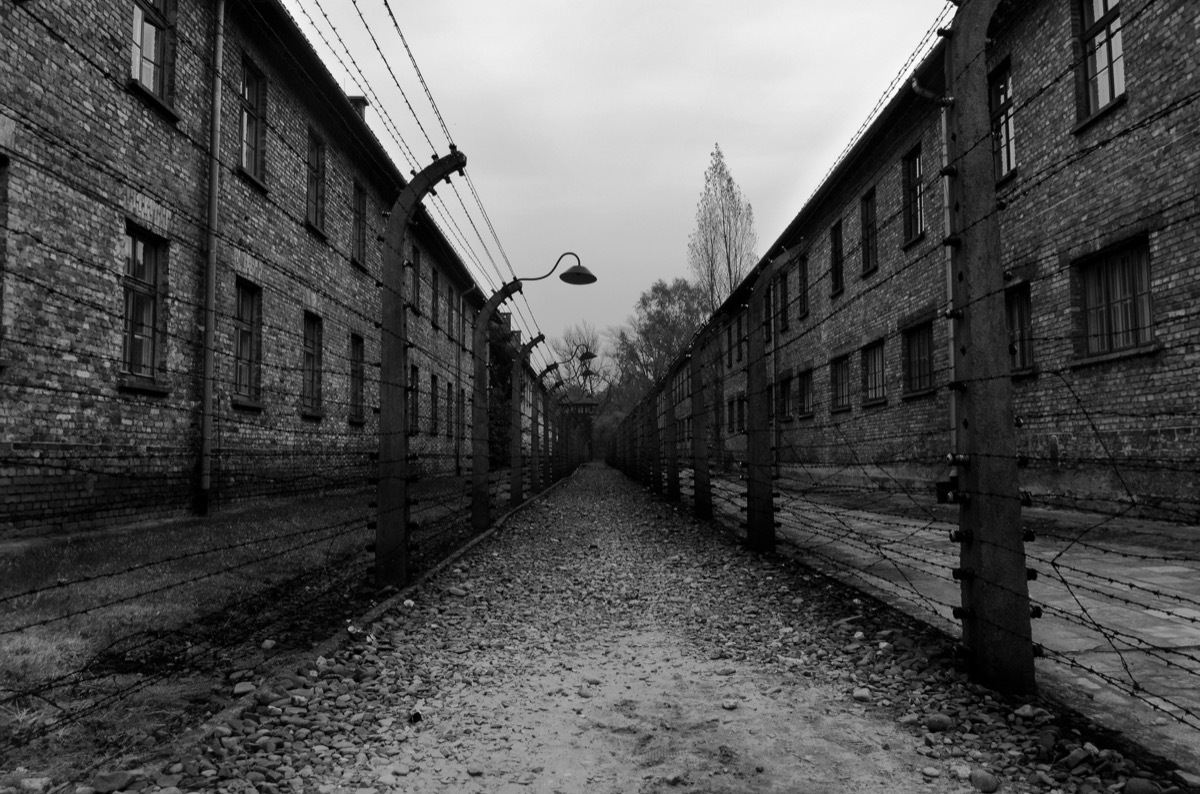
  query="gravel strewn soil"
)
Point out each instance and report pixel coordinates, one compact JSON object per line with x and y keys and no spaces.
{"x":602,"y":642}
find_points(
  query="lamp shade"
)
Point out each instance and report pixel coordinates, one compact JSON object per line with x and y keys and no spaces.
{"x":578,"y":274}
{"x":586,"y":355}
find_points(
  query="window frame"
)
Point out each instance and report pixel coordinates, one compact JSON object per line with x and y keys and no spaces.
{"x":874,"y":373}
{"x":841,"y":397}
{"x":1000,"y":106}
{"x":837,"y":259}
{"x":1099,"y":32}
{"x":912,"y":195}
{"x":357,"y":411}
{"x":918,"y":346}
{"x":802,"y":291}
{"x":311,"y":366}
{"x":314,"y":209}
{"x":358,"y":224}
{"x":252,"y":100}
{"x":803,"y":398}
{"x":869,"y":232}
{"x":1018,"y":317}
{"x":783,"y":300}
{"x":414,"y":400}
{"x":433,"y":403}
{"x":159,"y":15}
{"x":150,"y":287}
{"x":247,"y":343}
{"x":435,"y":290}
{"x":784,"y":398}
{"x":449,"y":408}
{"x":415,"y":286}
{"x":741,"y":412}
{"x":1140,"y":301}
{"x":741,"y":335}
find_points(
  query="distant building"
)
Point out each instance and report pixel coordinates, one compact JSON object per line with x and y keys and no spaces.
{"x":105,"y":219}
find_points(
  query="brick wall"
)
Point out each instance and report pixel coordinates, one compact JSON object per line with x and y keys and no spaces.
{"x":87,"y":160}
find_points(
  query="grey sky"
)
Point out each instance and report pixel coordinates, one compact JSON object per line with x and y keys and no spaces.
{"x":588,"y":125}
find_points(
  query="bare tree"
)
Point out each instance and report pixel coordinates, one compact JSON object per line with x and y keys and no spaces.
{"x":721,"y":248}
{"x":584,"y":377}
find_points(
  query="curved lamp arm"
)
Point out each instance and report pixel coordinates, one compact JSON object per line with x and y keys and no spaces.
{"x":576,"y":274}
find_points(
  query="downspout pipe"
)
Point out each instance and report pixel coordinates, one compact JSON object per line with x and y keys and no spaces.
{"x":204,"y":492}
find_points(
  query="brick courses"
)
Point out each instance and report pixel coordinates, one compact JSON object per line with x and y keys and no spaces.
{"x":83,"y":158}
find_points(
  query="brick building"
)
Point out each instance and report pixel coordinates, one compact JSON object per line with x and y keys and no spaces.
{"x":1096,"y":144}
{"x":108,"y":232}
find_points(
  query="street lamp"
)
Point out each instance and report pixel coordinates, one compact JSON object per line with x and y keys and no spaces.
{"x":480,"y":502}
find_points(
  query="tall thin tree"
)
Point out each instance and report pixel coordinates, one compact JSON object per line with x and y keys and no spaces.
{"x":721,"y":247}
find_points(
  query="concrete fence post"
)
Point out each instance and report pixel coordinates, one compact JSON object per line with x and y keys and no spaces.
{"x":701,"y":473}
{"x":760,"y":504}
{"x":993,"y":577}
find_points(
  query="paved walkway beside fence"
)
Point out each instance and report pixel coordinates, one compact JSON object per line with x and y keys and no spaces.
{"x":1121,"y":608}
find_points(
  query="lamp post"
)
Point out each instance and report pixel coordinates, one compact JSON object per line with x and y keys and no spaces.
{"x":480,"y":502}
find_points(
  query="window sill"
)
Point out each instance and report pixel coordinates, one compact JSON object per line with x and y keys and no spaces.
{"x":871,"y":272}
{"x":1099,"y":114}
{"x":805,"y":416}
{"x":156,"y":103}
{"x":246,"y":404}
{"x":1025,"y":373}
{"x":1007,"y":179}
{"x":918,"y":394}
{"x":312,"y":414}
{"x":878,"y":402}
{"x":254,"y":181}
{"x":357,"y":421}
{"x":843,"y":410}
{"x":358,"y":265}
{"x":912,"y":241}
{"x":1131,"y":352}
{"x":836,"y":292}
{"x":132,"y":384}
{"x":316,"y":231}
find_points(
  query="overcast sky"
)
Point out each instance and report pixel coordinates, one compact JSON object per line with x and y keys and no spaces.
{"x":588,"y":124}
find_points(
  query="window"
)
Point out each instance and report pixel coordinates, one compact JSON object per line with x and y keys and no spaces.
{"x":913,"y":206}
{"x":357,"y":379}
{"x":804,"y":393}
{"x":1003,"y":133}
{"x":150,"y":62}
{"x":802,"y":287}
{"x":1116,"y":300}
{"x":732,"y":416}
{"x":358,"y":225}
{"x":254,"y":121}
{"x":449,"y":408}
{"x":145,"y":268}
{"x":836,"y":282}
{"x":434,"y":395}
{"x":310,"y":386}
{"x":315,"y":212}
{"x":783,"y":397}
{"x":783,"y":300}
{"x":918,"y":358}
{"x":435,"y":295}
{"x":451,"y":300}
{"x":415,"y":299}
{"x":872,"y":373}
{"x":247,"y":340}
{"x":869,"y":232}
{"x":729,"y":345}
{"x":1018,"y":309}
{"x":414,"y":399}
{"x":768,"y":312}
{"x":1103,"y":66}
{"x":741,"y":413}
{"x":741,"y":336}
{"x":839,"y":384}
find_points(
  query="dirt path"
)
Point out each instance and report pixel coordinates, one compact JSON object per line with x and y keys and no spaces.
{"x":601,"y":642}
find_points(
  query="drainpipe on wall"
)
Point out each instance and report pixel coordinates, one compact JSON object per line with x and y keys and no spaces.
{"x":204,"y":493}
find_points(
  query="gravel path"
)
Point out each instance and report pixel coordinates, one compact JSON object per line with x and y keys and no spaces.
{"x":603,"y":642}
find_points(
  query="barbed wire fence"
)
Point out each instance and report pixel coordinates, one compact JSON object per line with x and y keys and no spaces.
{"x":90,"y":621}
{"x":862,"y":434}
